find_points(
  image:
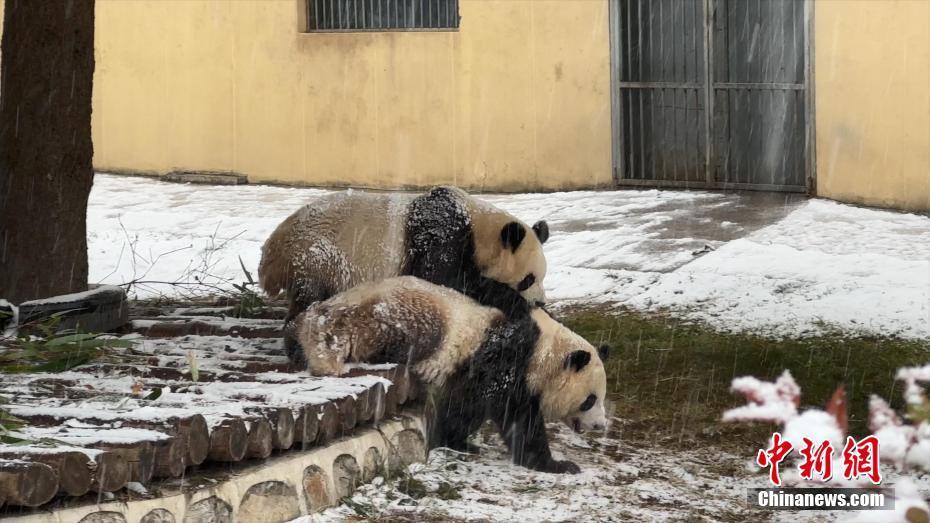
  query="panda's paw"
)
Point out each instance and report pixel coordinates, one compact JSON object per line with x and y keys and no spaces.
{"x":561,"y":467}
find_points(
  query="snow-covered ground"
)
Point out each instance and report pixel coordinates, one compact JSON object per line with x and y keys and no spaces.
{"x":735,"y":261}
{"x":825,"y":266}
{"x":794,"y":269}
{"x":619,"y":482}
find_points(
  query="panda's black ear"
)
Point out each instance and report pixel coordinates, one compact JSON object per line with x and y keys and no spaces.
{"x":603,"y":351}
{"x":541,"y":228}
{"x":512,"y":235}
{"x":577,"y":360}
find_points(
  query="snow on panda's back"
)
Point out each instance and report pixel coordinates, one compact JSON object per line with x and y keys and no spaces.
{"x":402,"y":320}
{"x":439,"y":331}
{"x":444,"y":236}
{"x":335,"y":243}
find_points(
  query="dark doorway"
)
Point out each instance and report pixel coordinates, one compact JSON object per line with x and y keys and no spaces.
{"x":712,"y":93}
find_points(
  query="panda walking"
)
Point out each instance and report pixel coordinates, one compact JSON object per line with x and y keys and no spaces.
{"x":518,"y":372}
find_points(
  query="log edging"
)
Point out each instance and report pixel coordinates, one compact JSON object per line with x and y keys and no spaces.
{"x":279,"y":488}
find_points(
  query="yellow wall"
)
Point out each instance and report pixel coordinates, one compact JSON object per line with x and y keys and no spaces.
{"x":519,"y":98}
{"x":872,"y":80}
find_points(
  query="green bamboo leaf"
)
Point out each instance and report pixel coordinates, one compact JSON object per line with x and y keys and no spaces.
{"x":120,"y":344}
{"x":13,"y":440}
{"x":154,"y":395}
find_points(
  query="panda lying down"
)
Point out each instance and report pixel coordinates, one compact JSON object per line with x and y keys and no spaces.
{"x":517,"y":372}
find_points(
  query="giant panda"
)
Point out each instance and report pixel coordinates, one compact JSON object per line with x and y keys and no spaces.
{"x":444,"y":236}
{"x":516,"y":371}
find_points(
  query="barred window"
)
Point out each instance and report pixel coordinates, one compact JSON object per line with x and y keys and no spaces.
{"x":382,"y":15}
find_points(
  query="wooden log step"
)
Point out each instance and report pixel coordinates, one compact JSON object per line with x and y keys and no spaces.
{"x":363,"y":406}
{"x":282,"y":424}
{"x":348,"y":416}
{"x":26,"y":484}
{"x":399,"y":390}
{"x":146,"y":372}
{"x":73,"y":468}
{"x":112,"y":472}
{"x":195,"y":435}
{"x":227,"y":345}
{"x":267,"y":313}
{"x":190,"y":429}
{"x":232,"y":371}
{"x":328,"y":416}
{"x":260,"y":438}
{"x":307,"y":426}
{"x":79,"y":470}
{"x":377,"y":402}
{"x":136,"y":446}
{"x":170,"y":458}
{"x":229,"y":439}
{"x":396,"y":393}
{"x":190,"y":327}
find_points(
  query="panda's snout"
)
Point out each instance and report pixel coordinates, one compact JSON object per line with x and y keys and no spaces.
{"x":540,"y":303}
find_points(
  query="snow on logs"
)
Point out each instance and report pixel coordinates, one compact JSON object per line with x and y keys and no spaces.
{"x":146,"y":416}
{"x":172,"y":327}
{"x":25,"y":483}
{"x":190,"y":437}
{"x":79,"y":470}
{"x":136,"y":446}
{"x":101,"y":445}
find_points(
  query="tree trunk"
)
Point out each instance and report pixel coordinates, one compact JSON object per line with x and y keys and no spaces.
{"x":46,"y":153}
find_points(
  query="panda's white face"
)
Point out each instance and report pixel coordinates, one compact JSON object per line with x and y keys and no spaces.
{"x":511,"y":252}
{"x":591,"y":414}
{"x":568,"y":373}
{"x":585,"y":374}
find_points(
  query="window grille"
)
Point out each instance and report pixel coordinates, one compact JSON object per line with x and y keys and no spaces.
{"x":382,"y":15}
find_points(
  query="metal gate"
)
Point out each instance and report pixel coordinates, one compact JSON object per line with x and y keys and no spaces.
{"x":712,"y":93}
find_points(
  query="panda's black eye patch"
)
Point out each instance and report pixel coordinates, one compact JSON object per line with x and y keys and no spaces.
{"x":588,"y":403}
{"x":526,"y":283}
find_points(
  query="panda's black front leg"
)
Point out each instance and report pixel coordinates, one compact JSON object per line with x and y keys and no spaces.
{"x":524,"y":431}
{"x":495,"y":294}
{"x":457,"y":416}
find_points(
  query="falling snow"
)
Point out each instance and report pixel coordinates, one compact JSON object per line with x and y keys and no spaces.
{"x":619,"y":482}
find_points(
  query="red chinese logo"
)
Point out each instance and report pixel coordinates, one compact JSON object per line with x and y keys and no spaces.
{"x":861,"y":459}
{"x":818,"y":460}
{"x":772,"y":456}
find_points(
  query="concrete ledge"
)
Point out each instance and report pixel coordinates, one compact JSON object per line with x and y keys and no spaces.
{"x":206,"y":177}
{"x":277,"y":489}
